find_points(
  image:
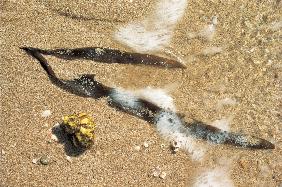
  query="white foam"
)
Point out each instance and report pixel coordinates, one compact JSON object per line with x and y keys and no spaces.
{"x":211,"y":51}
{"x":170,"y":127}
{"x":126,"y":98}
{"x":157,"y":96}
{"x":217,"y":177}
{"x":223,"y":124}
{"x":129,"y":98}
{"x":207,"y":32}
{"x":226,"y":101}
{"x":168,"y":12}
{"x":155,"y":31}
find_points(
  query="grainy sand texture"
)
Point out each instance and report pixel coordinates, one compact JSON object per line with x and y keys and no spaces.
{"x":232,"y":81}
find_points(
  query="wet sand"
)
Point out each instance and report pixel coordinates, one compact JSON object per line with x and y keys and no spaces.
{"x":248,"y":70}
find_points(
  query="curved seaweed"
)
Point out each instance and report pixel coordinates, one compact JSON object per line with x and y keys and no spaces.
{"x":107,"y":55}
{"x":87,"y":86}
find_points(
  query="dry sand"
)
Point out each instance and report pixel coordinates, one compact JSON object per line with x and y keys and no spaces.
{"x":248,"y":70}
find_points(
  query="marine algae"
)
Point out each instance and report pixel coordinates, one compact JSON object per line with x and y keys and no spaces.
{"x":81,"y":127}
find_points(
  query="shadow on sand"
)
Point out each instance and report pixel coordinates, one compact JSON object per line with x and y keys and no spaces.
{"x":66,"y":140}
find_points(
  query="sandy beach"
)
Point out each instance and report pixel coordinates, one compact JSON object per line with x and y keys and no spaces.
{"x":242,"y":83}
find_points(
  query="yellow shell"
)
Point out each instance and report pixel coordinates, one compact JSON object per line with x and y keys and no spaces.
{"x":81,"y":127}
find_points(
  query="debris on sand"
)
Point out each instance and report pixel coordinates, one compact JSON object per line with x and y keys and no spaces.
{"x":209,"y":51}
{"x":275,"y":26}
{"x":175,"y":145}
{"x":163,"y":175}
{"x":226,"y":101}
{"x":3,"y":152}
{"x":163,"y":146}
{"x":54,"y":137}
{"x":207,"y":32}
{"x":137,"y":148}
{"x":45,"y":125}
{"x":156,"y":172}
{"x":34,"y":161}
{"x":44,"y":160}
{"x":146,"y":144}
{"x":46,"y":113}
{"x":69,"y":159}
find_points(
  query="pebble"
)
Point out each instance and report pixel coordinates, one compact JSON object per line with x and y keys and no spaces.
{"x":44,"y":160}
{"x":34,"y":161}
{"x":257,"y":61}
{"x":163,"y":175}
{"x":137,"y":148}
{"x":156,"y":172}
{"x":69,"y":159}
{"x":175,"y":146}
{"x":98,"y":153}
{"x":54,"y":138}
{"x":45,"y":125}
{"x":146,"y":145}
{"x":252,"y":50}
{"x":269,"y":62}
{"x":46,"y":113}
{"x":56,"y":125}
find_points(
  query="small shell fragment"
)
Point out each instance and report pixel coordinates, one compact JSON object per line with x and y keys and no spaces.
{"x":175,"y":146}
{"x":163,"y":175}
{"x":156,"y":172}
{"x":46,"y":113}
{"x":34,"y":161}
{"x":45,"y":125}
{"x":146,"y":144}
{"x":68,"y":158}
{"x":137,"y":148}
{"x":54,"y":138}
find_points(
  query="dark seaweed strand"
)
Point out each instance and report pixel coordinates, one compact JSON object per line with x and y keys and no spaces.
{"x":148,"y":111}
{"x":85,"y":86}
{"x":107,"y":55}
{"x":218,"y":136}
{"x":43,"y":62}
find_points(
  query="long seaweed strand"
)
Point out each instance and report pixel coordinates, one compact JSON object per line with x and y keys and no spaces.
{"x":87,"y":86}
